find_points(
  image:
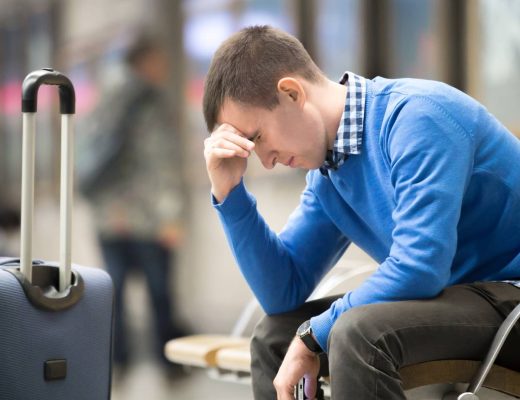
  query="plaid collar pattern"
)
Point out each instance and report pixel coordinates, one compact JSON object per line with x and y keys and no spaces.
{"x":350,"y":131}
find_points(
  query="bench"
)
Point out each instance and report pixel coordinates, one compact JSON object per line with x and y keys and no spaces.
{"x":228,"y":357}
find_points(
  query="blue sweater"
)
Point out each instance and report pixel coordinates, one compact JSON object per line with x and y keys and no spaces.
{"x":434,"y":198}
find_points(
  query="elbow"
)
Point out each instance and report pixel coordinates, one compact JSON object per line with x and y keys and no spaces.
{"x":419,"y":277}
{"x":428,"y":287}
{"x":283,"y":298}
{"x":272,"y":307}
{"x":431,"y":291}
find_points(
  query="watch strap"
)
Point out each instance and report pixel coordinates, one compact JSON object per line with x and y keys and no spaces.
{"x":304,"y":332}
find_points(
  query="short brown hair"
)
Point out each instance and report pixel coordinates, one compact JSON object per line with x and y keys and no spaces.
{"x":247,"y":66}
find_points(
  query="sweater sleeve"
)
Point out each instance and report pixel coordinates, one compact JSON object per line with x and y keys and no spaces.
{"x":430,"y":157}
{"x":282,"y":270}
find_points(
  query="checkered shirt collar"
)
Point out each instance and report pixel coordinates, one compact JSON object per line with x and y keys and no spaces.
{"x":350,"y":131}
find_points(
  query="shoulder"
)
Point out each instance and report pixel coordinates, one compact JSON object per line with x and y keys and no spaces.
{"x":420,"y":100}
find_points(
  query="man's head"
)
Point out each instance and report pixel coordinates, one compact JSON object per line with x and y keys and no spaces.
{"x":147,"y":57}
{"x":248,"y":66}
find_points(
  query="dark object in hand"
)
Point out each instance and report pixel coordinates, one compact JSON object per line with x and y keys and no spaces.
{"x":299,"y":391}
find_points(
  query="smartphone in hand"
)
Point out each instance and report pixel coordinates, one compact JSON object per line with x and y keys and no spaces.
{"x":299,"y":391}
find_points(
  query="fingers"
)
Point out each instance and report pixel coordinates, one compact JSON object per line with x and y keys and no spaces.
{"x":285,"y":383}
{"x":227,"y":142}
{"x":225,"y":148}
{"x":224,"y":153}
{"x":298,"y":362}
{"x":286,"y":393}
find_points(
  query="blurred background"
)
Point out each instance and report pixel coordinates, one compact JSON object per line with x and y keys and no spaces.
{"x":473,"y":45}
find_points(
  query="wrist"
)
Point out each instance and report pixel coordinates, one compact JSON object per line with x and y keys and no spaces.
{"x":221,"y":191}
{"x":305,"y":334}
{"x":302,"y":347}
{"x":219,"y":195}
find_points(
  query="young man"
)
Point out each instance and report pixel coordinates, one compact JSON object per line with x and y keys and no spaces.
{"x":416,"y":173}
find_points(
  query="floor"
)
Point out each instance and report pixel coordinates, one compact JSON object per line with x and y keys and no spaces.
{"x":145,"y":380}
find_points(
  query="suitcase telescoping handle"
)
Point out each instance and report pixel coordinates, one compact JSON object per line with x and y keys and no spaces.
{"x":31,"y":84}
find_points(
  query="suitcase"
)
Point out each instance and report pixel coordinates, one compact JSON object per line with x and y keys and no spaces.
{"x":55,"y":321}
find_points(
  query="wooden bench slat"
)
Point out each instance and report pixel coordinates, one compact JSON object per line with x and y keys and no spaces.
{"x":200,"y":350}
{"x":234,"y":358}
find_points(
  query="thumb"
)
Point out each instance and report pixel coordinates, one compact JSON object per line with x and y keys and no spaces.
{"x":311,"y":386}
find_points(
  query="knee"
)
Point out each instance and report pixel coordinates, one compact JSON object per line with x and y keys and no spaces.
{"x":351,"y":327}
{"x":365,"y":327}
{"x":260,"y":333}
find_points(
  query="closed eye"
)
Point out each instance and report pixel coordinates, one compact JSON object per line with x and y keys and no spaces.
{"x":255,"y":136}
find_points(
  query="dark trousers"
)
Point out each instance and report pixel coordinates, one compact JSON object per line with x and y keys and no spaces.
{"x":154,"y":260}
{"x":369,"y":344}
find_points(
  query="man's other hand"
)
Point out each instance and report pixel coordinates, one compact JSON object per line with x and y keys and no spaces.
{"x":298,"y":362}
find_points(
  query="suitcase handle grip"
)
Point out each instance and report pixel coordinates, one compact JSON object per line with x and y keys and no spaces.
{"x":48,"y":76}
{"x":30,"y":88}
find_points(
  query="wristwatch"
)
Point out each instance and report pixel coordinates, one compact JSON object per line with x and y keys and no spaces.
{"x":304,"y":332}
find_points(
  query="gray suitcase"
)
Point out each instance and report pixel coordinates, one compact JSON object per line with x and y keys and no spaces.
{"x":55,"y":321}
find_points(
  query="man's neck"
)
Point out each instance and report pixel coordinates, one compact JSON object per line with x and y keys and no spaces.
{"x":331,"y":103}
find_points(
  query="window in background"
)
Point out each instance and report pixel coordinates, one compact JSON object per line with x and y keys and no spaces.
{"x":496,"y":75}
{"x":414,"y":39}
{"x":26,"y":37}
{"x":339,"y":37}
{"x":10,"y":86}
{"x":209,"y":22}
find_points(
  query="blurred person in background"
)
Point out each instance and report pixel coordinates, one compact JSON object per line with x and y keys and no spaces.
{"x":129,"y":170}
{"x":9,"y":224}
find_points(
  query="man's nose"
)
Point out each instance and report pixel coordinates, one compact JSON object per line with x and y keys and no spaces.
{"x":268,"y":159}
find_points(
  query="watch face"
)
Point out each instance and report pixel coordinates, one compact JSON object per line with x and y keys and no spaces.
{"x":304,"y":328}
{"x":304,"y":332}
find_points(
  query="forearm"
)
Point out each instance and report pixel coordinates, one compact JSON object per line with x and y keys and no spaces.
{"x":389,"y":283}
{"x":264,"y":262}
{"x":282,"y":270}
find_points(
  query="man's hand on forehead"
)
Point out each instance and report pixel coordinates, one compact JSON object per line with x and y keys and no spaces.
{"x":226,"y":141}
{"x":251,"y":136}
{"x":226,"y":152}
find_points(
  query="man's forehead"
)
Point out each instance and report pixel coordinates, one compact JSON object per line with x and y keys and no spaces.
{"x":232,"y":107}
{"x":242,"y":117}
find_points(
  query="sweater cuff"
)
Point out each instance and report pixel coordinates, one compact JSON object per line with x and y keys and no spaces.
{"x":321,"y":326}
{"x":237,"y":203}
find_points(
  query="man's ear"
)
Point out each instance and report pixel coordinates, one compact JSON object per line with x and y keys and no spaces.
{"x":293,"y":89}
